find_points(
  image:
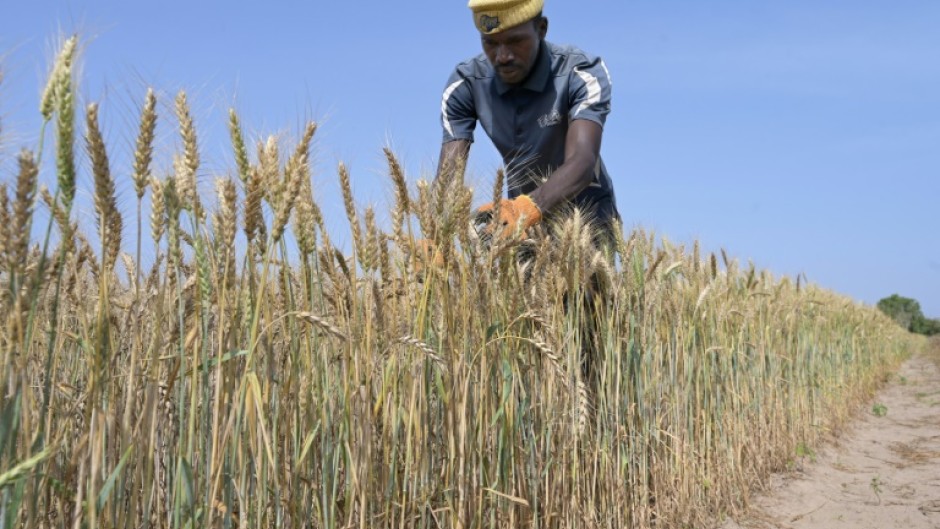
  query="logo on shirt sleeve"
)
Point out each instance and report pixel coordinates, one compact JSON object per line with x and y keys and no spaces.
{"x":551,"y":119}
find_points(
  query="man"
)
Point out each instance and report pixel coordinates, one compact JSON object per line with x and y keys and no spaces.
{"x":542,"y":105}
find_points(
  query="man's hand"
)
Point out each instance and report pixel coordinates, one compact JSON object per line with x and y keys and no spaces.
{"x":512,"y":212}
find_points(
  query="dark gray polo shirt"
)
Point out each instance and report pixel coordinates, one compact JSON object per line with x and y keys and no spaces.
{"x":529,"y":123}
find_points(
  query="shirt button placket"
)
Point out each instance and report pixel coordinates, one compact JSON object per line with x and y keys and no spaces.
{"x":518,"y":122}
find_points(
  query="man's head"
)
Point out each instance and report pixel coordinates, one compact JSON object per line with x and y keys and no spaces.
{"x":511,"y":32}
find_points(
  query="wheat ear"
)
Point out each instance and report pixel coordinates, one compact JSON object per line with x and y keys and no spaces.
{"x":498,"y":185}
{"x":306,"y":214}
{"x":402,"y":201}
{"x":322,"y":323}
{"x":224,"y":223}
{"x":269,"y":162}
{"x":157,"y":210}
{"x":294,"y":174}
{"x":5,"y":243}
{"x":65,"y":137}
{"x":143,"y":154}
{"x":253,"y":215}
{"x":188,"y":164}
{"x":350,"y":206}
{"x":61,"y":66}
{"x":370,"y":246}
{"x":109,"y":218}
{"x":429,"y":351}
{"x":652,"y":270}
{"x":238,"y":143}
{"x":23,"y":204}
{"x":66,"y":227}
{"x":424,"y":210}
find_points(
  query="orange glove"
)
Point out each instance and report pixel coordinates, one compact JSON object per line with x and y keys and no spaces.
{"x":511,"y":211}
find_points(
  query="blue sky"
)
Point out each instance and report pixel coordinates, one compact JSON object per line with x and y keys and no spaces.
{"x":803,"y":135}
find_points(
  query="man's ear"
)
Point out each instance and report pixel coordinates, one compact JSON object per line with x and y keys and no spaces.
{"x":542,"y":27}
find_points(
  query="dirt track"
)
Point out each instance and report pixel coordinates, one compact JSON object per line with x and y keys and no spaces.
{"x":884,"y":474}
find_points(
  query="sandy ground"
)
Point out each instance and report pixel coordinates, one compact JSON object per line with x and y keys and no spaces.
{"x":884,"y":473}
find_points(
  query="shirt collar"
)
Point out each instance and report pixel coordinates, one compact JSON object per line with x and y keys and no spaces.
{"x":538,"y":77}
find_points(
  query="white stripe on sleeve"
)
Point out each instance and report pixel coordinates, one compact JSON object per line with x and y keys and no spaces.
{"x":447,"y":93}
{"x":610,"y":81}
{"x":593,"y":90}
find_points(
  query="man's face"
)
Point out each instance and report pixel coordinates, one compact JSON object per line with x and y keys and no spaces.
{"x":513,"y":52}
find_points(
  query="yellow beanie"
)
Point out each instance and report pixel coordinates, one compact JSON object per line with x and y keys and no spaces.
{"x":493,"y":16}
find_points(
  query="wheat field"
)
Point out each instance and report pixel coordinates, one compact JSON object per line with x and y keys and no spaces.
{"x":255,"y":374}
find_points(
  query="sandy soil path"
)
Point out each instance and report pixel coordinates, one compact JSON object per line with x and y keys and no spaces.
{"x":884,"y":474}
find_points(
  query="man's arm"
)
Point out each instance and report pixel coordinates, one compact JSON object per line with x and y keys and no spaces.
{"x":582,"y":150}
{"x":453,"y":157}
{"x":458,"y":120}
{"x":590,"y":93}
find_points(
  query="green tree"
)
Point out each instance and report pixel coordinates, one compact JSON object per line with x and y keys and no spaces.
{"x":903,"y":310}
{"x":926,"y":326}
{"x":907,"y":313}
